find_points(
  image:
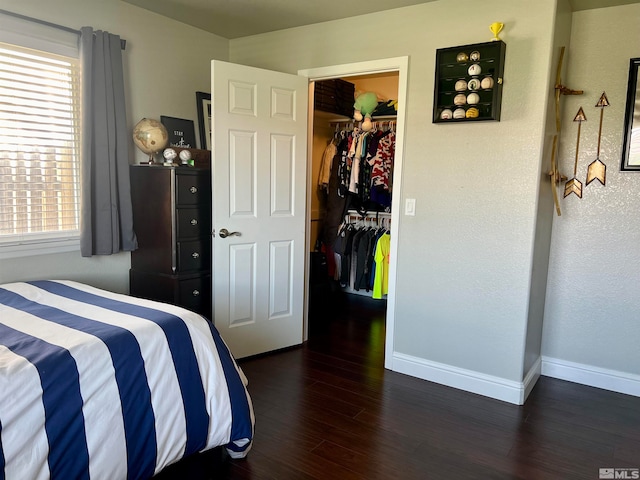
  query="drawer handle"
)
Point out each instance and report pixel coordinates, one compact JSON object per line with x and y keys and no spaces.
{"x":195,"y":293}
{"x":195,"y":255}
{"x":193,"y":190}
{"x":194,"y":221}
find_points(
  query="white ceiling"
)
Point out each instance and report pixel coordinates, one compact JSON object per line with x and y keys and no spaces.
{"x":241,"y":18}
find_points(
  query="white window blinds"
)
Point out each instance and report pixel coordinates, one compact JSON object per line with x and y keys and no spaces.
{"x":39,"y":145}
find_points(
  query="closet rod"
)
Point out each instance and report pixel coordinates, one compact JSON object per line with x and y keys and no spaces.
{"x":354,"y":215}
{"x":368,"y":212}
{"x":381,"y":118}
{"x":123,"y":42}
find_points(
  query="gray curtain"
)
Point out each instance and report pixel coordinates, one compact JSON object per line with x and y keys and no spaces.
{"x":106,"y":216}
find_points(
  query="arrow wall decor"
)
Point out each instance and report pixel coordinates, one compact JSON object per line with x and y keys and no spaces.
{"x":598,"y":170}
{"x":574,"y":185}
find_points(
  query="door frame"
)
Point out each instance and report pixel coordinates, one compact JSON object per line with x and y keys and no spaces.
{"x":394,"y":64}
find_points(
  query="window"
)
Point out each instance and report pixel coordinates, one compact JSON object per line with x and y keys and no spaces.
{"x":39,"y":148}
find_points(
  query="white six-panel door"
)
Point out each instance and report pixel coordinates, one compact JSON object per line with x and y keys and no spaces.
{"x":259,"y":138}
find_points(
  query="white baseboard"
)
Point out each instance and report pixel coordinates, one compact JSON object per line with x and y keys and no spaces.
{"x":613,"y":380}
{"x":531,"y":378}
{"x":468,"y":380}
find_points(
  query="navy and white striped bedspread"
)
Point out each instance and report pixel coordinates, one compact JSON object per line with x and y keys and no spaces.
{"x":100,"y":385}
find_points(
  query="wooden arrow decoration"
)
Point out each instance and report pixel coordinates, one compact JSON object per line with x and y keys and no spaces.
{"x":574,"y":185}
{"x":598,"y":170}
{"x":556,"y":177}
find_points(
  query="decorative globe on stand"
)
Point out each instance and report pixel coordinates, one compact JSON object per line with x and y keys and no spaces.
{"x":150,"y":136}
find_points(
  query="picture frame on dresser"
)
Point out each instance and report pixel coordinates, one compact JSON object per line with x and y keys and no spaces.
{"x":203,"y":103}
{"x":181,"y":131}
{"x":468,"y":82}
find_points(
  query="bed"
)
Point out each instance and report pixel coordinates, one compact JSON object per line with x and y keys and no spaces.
{"x":100,"y":385}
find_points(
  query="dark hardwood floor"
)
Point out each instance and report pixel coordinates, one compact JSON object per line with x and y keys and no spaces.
{"x":329,"y":410}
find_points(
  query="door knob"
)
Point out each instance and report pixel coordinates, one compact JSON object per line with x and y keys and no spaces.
{"x":224,"y":233}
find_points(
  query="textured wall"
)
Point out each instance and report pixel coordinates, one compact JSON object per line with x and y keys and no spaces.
{"x":544,"y":220}
{"x":465,"y":259}
{"x":593,"y":307}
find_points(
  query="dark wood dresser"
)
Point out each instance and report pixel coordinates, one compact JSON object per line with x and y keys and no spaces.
{"x":172,"y":220}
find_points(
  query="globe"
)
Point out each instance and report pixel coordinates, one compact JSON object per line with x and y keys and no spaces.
{"x":150,"y":136}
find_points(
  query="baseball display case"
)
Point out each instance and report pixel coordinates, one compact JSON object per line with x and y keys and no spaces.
{"x":468,"y":83}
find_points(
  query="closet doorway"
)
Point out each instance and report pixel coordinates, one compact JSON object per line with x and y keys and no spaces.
{"x":347,"y":302}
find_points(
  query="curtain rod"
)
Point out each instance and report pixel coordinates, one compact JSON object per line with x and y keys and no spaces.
{"x":123,"y":42}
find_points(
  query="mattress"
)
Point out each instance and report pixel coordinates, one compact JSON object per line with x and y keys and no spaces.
{"x":95,"y":384}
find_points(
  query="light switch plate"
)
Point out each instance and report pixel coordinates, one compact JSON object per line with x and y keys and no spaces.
{"x":410,"y":206}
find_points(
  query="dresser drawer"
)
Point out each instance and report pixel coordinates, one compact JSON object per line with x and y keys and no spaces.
{"x":193,"y":190}
{"x":192,"y":256}
{"x":195,"y":294}
{"x":191,"y":291}
{"x":192,"y":223}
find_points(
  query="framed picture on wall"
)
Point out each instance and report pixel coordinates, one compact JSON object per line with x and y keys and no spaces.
{"x":204,"y":119}
{"x":181,"y":131}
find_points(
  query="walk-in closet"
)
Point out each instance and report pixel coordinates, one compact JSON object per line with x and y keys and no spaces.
{"x":352,"y":188}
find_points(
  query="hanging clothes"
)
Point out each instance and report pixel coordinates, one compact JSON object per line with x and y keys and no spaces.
{"x":364,"y":260}
{"x":360,"y":172}
{"x":356,"y":248}
{"x":358,"y":153}
{"x":344,"y":247}
{"x":365,"y":168}
{"x":325,"y":167}
{"x":336,"y":201}
{"x":382,"y":170}
{"x":381,"y":257}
